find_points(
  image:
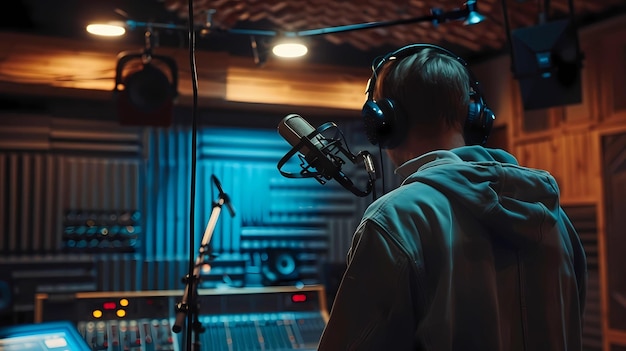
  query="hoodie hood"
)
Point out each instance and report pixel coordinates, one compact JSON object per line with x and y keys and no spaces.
{"x":521,"y":203}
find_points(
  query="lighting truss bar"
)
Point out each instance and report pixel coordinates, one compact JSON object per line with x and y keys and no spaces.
{"x":437,"y":16}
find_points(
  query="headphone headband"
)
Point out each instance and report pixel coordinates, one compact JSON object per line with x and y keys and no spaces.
{"x":386,"y":125}
{"x":411,"y":49}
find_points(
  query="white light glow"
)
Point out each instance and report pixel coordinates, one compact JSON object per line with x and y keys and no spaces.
{"x":289,"y":50}
{"x":107,"y":30}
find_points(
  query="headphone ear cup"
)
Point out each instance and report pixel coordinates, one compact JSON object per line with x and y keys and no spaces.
{"x":478,"y":123}
{"x":384,"y":124}
{"x":488,"y":118}
{"x":373,"y":118}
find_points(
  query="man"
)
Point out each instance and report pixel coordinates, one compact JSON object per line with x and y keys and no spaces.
{"x":472,"y":251}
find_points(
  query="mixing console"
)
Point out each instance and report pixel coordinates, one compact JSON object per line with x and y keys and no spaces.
{"x":234,"y":319}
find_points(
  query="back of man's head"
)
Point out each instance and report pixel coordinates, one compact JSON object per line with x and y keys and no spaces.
{"x":431,"y":87}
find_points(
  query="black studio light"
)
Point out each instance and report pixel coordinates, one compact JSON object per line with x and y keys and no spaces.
{"x":547,"y":60}
{"x":145,"y":96}
{"x":547,"y":63}
{"x":146,"y":87}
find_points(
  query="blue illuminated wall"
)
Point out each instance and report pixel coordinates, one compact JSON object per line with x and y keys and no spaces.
{"x":273,"y":214}
{"x":51,"y":166}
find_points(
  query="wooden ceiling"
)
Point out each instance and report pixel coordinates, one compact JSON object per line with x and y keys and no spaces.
{"x":67,"y":18}
{"x":297,"y":15}
{"x":73,"y":62}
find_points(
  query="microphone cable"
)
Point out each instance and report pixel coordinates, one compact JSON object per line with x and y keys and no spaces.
{"x":382,"y":168}
{"x":192,"y":194}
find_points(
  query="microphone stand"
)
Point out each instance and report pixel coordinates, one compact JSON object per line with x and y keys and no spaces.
{"x":189,"y":305}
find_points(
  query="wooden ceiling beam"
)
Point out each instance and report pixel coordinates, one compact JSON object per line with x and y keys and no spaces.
{"x":41,"y":65}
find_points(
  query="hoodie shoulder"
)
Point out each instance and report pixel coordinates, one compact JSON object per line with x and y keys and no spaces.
{"x":518,"y":202}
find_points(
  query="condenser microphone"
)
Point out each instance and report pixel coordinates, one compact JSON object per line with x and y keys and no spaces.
{"x":321,"y":157}
{"x":309,"y":142}
{"x":293,"y":128}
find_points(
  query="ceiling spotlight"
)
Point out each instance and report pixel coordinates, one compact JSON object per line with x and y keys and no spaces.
{"x":107,"y":30}
{"x":473,"y":17}
{"x":289,"y":49}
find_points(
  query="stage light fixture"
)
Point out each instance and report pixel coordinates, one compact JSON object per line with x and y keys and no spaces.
{"x":145,"y":96}
{"x":546,"y":60}
{"x":148,"y":88}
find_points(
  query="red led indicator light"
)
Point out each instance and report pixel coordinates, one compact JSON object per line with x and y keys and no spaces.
{"x":298,"y":298}
{"x":109,"y":305}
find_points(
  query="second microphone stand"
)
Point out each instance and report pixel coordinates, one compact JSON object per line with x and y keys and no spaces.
{"x":189,"y":307}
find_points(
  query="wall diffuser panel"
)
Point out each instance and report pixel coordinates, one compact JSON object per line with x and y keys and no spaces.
{"x":28,"y":217}
{"x":584,"y":218}
{"x":63,"y":178}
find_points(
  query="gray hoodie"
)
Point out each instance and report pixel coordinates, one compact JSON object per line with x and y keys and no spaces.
{"x":471,"y":252}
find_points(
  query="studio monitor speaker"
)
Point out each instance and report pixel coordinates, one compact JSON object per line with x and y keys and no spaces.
{"x":279,"y":267}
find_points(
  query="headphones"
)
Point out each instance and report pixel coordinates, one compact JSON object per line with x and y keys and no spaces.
{"x":386,"y":124}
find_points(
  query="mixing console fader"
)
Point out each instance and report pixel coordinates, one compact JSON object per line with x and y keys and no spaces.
{"x":234,"y":319}
{"x":133,"y":335}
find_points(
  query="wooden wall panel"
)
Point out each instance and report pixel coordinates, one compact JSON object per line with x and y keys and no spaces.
{"x":614,"y":189}
{"x":538,"y":154}
{"x":296,"y":87}
{"x":580,"y":172}
{"x":571,"y":158}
